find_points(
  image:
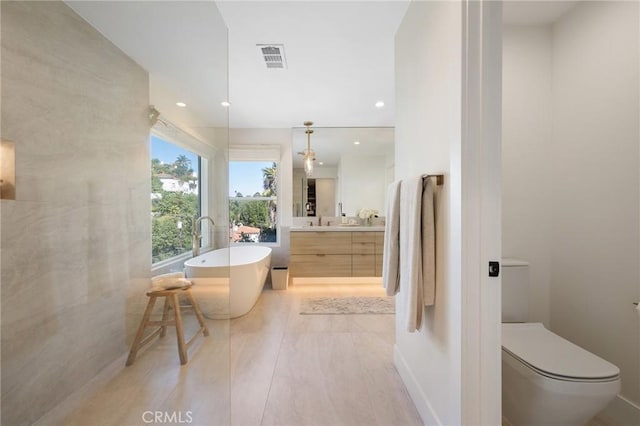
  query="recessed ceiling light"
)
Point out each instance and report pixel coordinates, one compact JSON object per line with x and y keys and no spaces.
{"x":356,"y":143}
{"x":321,"y":163}
{"x":379,"y":104}
{"x":225,"y":104}
{"x":181,"y":104}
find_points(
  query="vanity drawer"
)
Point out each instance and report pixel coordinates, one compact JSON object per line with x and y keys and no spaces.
{"x":320,"y":242}
{"x":363,"y":248}
{"x":379,"y":242}
{"x":363,"y":242}
{"x":378,"y":266}
{"x":364,"y":237}
{"x":320,"y":265}
{"x":363,"y":265}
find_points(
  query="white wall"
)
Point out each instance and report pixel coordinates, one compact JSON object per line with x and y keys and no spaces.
{"x":362,"y":183}
{"x":218,"y":170}
{"x":571,"y":173}
{"x":428,"y":134}
{"x":595,"y":248}
{"x":526,"y":158}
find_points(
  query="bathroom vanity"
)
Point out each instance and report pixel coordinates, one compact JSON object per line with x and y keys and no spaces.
{"x":336,"y":251}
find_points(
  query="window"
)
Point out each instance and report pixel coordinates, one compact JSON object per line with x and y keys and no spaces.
{"x":175,"y":198}
{"x":253,"y":201}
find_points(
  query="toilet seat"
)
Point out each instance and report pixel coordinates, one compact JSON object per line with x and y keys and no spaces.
{"x":554,"y":357}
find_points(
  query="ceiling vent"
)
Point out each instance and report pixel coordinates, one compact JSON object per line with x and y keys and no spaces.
{"x":273,"y":55}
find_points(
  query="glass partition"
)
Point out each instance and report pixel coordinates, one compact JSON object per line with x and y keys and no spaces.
{"x":121,"y":155}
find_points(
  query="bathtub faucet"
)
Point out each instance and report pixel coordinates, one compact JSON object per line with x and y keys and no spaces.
{"x":196,"y":235}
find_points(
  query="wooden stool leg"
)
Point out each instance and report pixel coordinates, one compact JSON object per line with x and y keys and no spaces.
{"x":182,"y":350}
{"x":140,"y":333}
{"x":196,"y":309}
{"x":165,"y":316}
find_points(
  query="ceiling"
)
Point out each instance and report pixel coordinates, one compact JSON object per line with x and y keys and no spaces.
{"x":183,"y":46}
{"x":534,"y":12}
{"x":339,"y":55}
{"x":340,"y":58}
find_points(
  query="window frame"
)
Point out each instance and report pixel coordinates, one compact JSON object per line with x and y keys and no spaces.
{"x":260,"y":154}
{"x":178,"y":137}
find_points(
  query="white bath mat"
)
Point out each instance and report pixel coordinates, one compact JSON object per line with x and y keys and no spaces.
{"x":347,"y":305}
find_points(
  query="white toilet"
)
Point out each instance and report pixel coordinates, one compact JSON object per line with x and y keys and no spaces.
{"x":546,"y":380}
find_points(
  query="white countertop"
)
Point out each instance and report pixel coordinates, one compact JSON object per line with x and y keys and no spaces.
{"x":338,"y":228}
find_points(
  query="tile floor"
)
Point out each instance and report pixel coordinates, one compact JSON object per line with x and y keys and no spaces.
{"x":270,"y":367}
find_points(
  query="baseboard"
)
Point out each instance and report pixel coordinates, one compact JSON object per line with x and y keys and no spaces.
{"x":420,"y":400}
{"x":74,"y":401}
{"x":621,"y":412}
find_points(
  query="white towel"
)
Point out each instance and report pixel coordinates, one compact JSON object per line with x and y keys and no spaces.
{"x":169,"y":281}
{"x":411,"y":294}
{"x":391,"y":252}
{"x":428,"y":244}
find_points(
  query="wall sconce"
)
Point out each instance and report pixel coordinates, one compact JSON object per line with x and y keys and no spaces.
{"x":7,"y":170}
{"x":154,"y":114}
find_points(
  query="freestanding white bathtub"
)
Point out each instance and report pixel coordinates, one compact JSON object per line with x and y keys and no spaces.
{"x":228,"y":281}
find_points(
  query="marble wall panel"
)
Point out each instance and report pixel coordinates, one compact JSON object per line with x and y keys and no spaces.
{"x":75,"y":257}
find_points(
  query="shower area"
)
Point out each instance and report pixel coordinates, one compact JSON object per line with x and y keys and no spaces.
{"x":97,"y":211}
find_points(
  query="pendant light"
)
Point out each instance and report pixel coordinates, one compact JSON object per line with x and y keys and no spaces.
{"x":309,"y":155}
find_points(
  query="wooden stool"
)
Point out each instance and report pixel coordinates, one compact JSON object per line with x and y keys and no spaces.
{"x":170,"y":301}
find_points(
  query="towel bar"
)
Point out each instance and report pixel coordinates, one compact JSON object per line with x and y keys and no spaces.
{"x":439,"y":178}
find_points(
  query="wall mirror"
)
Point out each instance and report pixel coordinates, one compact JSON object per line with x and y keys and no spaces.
{"x":352,"y":169}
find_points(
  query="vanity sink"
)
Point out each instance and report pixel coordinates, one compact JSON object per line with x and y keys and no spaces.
{"x":338,"y":228}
